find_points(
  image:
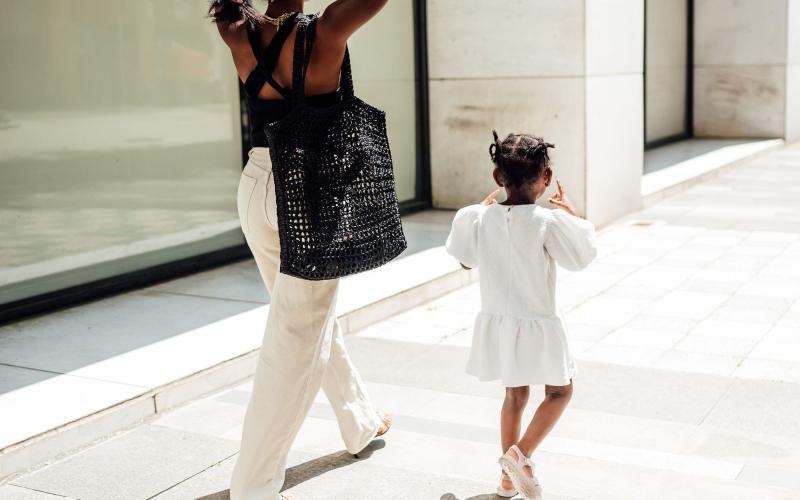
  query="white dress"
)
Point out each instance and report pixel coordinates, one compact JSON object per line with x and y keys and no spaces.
{"x":520,"y":333}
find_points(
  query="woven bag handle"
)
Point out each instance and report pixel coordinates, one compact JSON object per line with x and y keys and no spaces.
{"x":304,"y":43}
{"x":346,"y":83}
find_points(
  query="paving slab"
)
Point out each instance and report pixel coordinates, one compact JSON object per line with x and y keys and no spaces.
{"x":763,"y":407}
{"x":135,"y":464}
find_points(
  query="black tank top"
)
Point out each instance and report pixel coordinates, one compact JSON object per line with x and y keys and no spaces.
{"x":264,"y":111}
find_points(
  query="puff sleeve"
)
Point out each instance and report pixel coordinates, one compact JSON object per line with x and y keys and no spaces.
{"x":570,"y":240}
{"x":462,"y":242}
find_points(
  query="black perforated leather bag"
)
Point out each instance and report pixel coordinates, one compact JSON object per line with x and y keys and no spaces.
{"x":334,"y":182}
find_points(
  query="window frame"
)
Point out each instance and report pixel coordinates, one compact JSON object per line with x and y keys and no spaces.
{"x":688,"y":125}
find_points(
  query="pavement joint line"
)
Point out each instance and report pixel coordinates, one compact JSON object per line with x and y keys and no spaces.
{"x":35,"y":489}
{"x":616,"y":282}
{"x":200,"y":296}
{"x":73,"y":375}
{"x":215,"y":464}
{"x":731,"y":381}
{"x":658,"y":460}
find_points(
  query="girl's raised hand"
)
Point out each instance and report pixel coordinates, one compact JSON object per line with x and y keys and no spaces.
{"x":490,"y":200}
{"x":560,"y":200}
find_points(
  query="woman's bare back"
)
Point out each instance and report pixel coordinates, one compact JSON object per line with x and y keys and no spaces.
{"x":339,"y":20}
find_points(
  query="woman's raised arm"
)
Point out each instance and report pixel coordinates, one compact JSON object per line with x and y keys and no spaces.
{"x":231,"y":17}
{"x":343,"y":17}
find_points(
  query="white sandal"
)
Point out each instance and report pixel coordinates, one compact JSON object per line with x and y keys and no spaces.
{"x":503,"y":492}
{"x":528,"y":487}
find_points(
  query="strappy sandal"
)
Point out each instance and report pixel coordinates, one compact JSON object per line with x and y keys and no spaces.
{"x":528,"y":486}
{"x":503,"y":491}
{"x":387,"y":424}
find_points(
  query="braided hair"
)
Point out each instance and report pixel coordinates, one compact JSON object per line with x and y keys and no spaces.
{"x":229,"y":12}
{"x":521,"y":158}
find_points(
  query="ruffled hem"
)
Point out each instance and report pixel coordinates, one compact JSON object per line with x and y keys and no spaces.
{"x":521,"y":351}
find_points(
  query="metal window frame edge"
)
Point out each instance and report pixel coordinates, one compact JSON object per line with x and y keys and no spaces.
{"x":688,"y":126}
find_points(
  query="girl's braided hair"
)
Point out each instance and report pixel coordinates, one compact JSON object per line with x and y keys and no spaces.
{"x":229,"y":12}
{"x":521,"y":158}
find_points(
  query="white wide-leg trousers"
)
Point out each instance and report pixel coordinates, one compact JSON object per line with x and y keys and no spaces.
{"x":303,"y":350}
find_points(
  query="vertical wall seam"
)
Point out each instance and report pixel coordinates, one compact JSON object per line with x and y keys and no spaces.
{"x":786,"y":31}
{"x":787,"y":37}
{"x":585,"y":114}
{"x":689,"y":99}
{"x":644,"y":76}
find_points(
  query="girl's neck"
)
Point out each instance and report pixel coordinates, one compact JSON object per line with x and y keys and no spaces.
{"x":515,"y":197}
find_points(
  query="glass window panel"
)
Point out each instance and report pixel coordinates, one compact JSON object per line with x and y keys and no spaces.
{"x":120,"y":141}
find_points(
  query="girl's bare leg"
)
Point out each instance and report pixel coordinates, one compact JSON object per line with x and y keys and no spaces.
{"x":555,"y":401}
{"x":510,"y":422}
{"x":511,"y":415}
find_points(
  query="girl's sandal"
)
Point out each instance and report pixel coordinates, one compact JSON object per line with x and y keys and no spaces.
{"x":506,"y":488}
{"x":514,"y":466}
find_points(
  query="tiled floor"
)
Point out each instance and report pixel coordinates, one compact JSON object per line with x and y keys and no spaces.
{"x":687,"y":334}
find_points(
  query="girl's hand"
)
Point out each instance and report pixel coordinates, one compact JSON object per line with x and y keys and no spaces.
{"x":490,"y":200}
{"x":560,"y":200}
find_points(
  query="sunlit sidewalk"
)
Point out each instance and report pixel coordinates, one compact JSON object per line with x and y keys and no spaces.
{"x":687,"y":333}
{"x":99,"y":367}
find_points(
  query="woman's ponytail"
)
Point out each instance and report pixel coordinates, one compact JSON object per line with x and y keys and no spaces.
{"x":232,"y":11}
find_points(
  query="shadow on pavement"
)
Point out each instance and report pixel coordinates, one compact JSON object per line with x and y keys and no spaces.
{"x":308,"y":470}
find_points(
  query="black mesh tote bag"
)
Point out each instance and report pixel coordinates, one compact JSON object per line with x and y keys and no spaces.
{"x":334,"y":182}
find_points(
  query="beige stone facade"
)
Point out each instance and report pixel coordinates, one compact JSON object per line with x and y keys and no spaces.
{"x":572,"y":71}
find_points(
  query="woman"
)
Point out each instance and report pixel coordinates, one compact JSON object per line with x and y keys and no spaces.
{"x":303,"y":347}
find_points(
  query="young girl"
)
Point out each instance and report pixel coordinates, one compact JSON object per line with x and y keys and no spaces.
{"x":520,"y":334}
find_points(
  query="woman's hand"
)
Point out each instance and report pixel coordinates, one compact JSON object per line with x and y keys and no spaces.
{"x":230,"y":15}
{"x":490,"y":199}
{"x":560,"y":200}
